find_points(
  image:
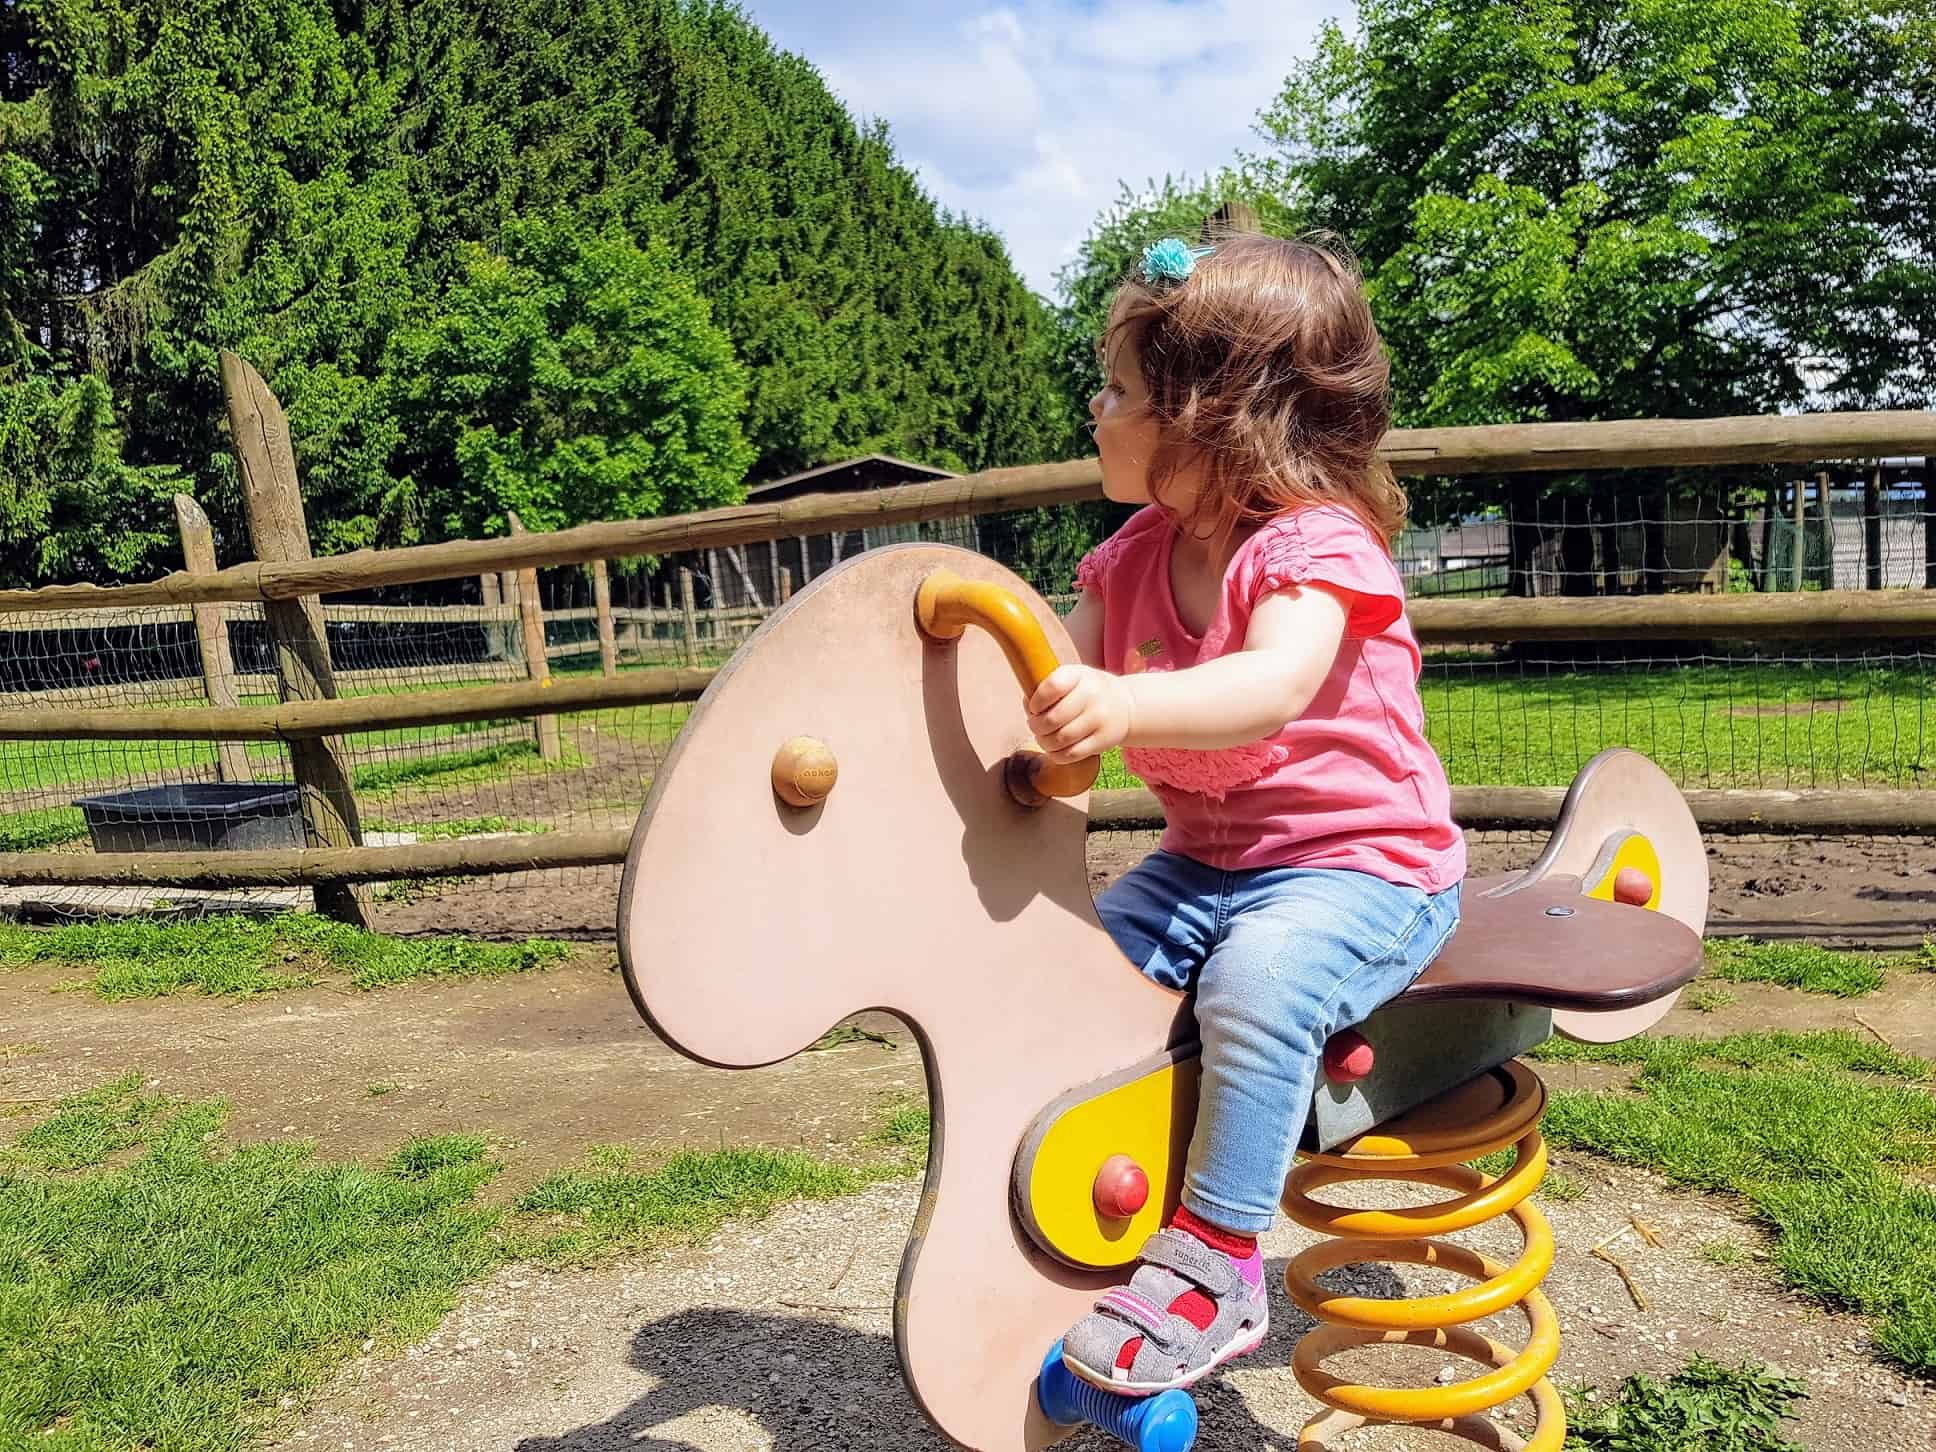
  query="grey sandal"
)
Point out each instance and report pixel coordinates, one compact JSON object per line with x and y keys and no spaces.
{"x":1174,"y":1353}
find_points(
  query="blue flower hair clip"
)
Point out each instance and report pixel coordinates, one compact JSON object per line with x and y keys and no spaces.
{"x":1171,"y":260}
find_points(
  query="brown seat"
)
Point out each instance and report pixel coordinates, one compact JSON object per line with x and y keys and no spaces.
{"x":1544,"y":943}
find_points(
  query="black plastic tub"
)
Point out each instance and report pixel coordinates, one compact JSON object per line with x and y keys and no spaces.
{"x":197,"y":817}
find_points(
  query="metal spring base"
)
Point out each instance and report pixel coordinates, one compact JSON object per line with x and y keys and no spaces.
{"x":1428,"y":1146}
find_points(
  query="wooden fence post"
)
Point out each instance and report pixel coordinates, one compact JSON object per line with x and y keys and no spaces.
{"x":259,"y":433}
{"x":211,"y":634}
{"x":1872,"y":529}
{"x":1827,"y":580}
{"x":691,"y":618}
{"x":602,"y":599}
{"x":536,"y":664}
{"x":492,"y":596}
{"x":1801,"y":530}
{"x":1929,"y":523}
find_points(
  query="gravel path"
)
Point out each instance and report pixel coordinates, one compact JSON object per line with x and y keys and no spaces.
{"x":777,"y":1336}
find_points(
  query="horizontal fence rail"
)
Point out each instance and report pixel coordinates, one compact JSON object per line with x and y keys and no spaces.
{"x":309,"y":720}
{"x":1518,"y":448}
{"x":1881,"y":813}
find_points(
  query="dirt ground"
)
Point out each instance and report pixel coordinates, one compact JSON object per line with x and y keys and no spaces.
{"x":1845,"y":892}
{"x":770,"y":1336}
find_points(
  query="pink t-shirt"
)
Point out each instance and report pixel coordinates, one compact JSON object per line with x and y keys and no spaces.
{"x":1351,"y":783}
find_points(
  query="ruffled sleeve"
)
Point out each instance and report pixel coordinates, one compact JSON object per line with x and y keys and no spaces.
{"x":1094,"y":568}
{"x":1093,"y":572}
{"x":1330,"y":546}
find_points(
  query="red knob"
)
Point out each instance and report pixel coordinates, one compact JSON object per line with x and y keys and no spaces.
{"x":1121,"y":1188}
{"x":1347,"y":1057}
{"x":1633,"y":887}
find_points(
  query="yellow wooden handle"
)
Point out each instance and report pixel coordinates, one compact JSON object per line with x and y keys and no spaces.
{"x":944,"y":606}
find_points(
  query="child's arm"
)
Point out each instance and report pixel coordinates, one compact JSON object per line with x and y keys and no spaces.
{"x":1084,"y":624}
{"x":1293,"y":639}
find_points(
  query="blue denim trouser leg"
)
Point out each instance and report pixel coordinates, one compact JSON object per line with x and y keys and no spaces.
{"x":1278,"y":959}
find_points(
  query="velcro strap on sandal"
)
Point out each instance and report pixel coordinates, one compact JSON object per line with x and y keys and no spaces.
{"x":1190,"y":1258}
{"x":1140,"y":1311}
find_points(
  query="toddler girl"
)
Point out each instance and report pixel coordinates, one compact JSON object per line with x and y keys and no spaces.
{"x":1244,"y":640}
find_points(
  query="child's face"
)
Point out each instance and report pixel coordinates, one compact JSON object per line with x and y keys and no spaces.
{"x":1125,"y":431}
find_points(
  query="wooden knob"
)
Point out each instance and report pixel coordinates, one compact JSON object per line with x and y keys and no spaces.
{"x":1122,"y":1188}
{"x":804,"y":771}
{"x":1347,"y":1057}
{"x":1633,"y":887}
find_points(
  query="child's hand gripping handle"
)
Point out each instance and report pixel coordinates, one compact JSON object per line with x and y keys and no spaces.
{"x":944,"y":606}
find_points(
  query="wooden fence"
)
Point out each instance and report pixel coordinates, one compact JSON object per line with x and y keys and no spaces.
{"x":285,"y":586}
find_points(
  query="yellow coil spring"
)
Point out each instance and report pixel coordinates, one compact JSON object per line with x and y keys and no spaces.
{"x":1427,"y":1147}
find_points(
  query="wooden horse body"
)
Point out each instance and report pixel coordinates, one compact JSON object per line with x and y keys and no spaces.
{"x":749,"y":927}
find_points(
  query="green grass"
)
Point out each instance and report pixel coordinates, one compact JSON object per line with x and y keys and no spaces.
{"x":169,"y":1303}
{"x":459,"y":827}
{"x":240,"y":957}
{"x":906,"y":1126}
{"x":463,"y":768}
{"x":1831,"y":1050}
{"x":1815,"y":1132}
{"x":162,"y":1290}
{"x":1795,"y":965}
{"x":1498,"y":723}
{"x":1507,"y":725}
{"x":37,"y":830}
{"x":610,"y":1206}
{"x":1702,"y":998}
{"x":1703,"y":1407}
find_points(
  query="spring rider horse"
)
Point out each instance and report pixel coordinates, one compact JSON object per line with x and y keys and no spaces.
{"x":855,"y":818}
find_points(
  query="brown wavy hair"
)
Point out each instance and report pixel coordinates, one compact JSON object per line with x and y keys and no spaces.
{"x":1265,"y":364}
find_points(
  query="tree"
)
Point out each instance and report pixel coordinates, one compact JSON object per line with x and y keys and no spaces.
{"x":867,"y":319}
{"x":303,"y":182}
{"x":572,"y":377}
{"x":1610,"y":208}
{"x":191,"y":176}
{"x":70,"y":506}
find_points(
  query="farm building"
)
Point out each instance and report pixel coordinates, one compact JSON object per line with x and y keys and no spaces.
{"x":751,"y":574}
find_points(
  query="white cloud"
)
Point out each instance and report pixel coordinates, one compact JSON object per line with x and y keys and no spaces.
{"x":1032,"y":116}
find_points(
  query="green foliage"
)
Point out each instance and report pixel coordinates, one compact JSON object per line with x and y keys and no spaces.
{"x":1605,"y":209}
{"x":71,"y":506}
{"x":174,"y":1298}
{"x":571,"y":377}
{"x":1703,"y":1407}
{"x":385,"y":207}
{"x":40,"y":827}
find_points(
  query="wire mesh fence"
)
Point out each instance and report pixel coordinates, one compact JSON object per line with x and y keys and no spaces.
{"x":1810,"y":715}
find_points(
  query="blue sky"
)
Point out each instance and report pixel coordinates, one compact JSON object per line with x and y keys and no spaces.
{"x":1030,"y":115}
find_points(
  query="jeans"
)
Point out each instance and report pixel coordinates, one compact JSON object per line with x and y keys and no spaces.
{"x":1278,"y":958}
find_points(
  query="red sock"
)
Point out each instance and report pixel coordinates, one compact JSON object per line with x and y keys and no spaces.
{"x":1193,"y":1306}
